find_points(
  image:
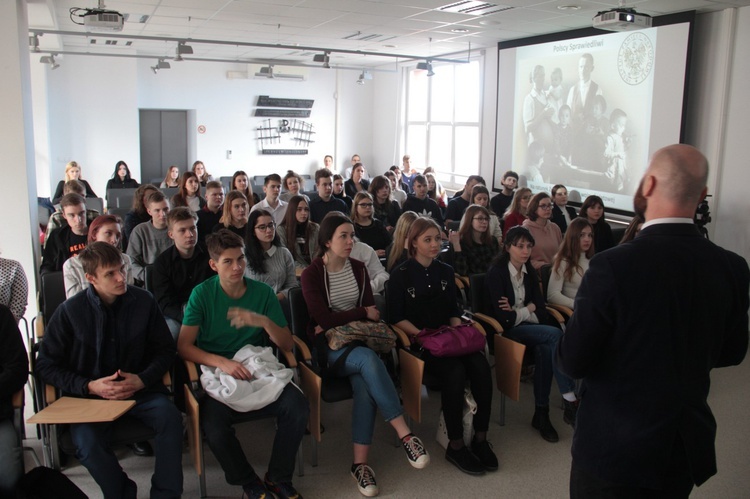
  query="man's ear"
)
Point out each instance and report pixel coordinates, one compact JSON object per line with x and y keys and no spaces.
{"x":91,"y":278}
{"x":649,"y":184}
{"x":213,"y":266}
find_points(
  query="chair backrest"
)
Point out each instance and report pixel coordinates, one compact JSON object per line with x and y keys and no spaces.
{"x":545,"y":272}
{"x":53,"y":293}
{"x":96,"y":204}
{"x":227,"y":183}
{"x":120,"y":198}
{"x":300,"y":315}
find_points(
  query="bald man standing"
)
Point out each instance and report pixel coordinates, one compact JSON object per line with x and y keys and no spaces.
{"x":652,"y":318}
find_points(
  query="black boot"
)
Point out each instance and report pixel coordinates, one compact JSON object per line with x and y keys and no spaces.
{"x":542,"y":423}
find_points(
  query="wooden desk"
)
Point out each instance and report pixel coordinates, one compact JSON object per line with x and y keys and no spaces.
{"x":67,"y":410}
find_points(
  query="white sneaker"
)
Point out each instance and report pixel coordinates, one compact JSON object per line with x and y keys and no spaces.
{"x":415,"y":451}
{"x":365,"y":478}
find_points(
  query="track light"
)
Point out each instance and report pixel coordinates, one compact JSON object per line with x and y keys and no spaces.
{"x":49,"y":59}
{"x":428,"y":66}
{"x":364,"y":76}
{"x":183,"y":49}
{"x":325,"y":58}
{"x":162,"y":64}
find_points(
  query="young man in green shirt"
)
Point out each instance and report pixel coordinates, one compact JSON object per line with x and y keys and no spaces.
{"x":225,"y":313}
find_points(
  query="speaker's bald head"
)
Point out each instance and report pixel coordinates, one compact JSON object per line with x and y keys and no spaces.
{"x":681,"y":172}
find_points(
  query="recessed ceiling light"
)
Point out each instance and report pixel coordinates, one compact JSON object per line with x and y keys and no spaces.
{"x":390,"y":46}
{"x":569,"y":7}
{"x":489,"y":22}
{"x":460,"y":30}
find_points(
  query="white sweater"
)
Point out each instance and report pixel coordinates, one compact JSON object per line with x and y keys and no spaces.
{"x":269,"y":379}
{"x":563,"y":292}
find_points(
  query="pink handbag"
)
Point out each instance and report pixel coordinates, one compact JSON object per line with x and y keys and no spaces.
{"x":452,"y":341}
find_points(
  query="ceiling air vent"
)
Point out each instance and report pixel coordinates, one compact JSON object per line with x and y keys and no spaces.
{"x":472,"y":8}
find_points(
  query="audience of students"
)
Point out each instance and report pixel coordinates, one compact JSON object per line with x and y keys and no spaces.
{"x":293,"y":184}
{"x":592,"y":209}
{"x":547,"y":235}
{"x":337,"y":291}
{"x":267,"y":260}
{"x":121,"y":178}
{"x":397,"y":192}
{"x":149,"y":239}
{"x":397,"y":252}
{"x":461,"y":200}
{"x":422,"y":294}
{"x":420,"y":203}
{"x":57,"y":219}
{"x":72,"y":172}
{"x":386,"y":209}
{"x":571,"y":262}
{"x":200,"y":171}
{"x":357,"y":182}
{"x":298,"y":233}
{"x":14,"y":287}
{"x":111,"y":341}
{"x":68,"y":241}
{"x":241,"y":182}
{"x":517,"y":303}
{"x":339,"y":192}
{"x":104,"y":228}
{"x":502,"y":200}
{"x":234,"y":215}
{"x":562,"y":214}
{"x":516,"y":212}
{"x":210,"y":214}
{"x":225,"y":313}
{"x":179,"y":268}
{"x":472,"y":247}
{"x":138,"y":214}
{"x":172,"y":178}
{"x":369,"y":229}
{"x":480,"y":195}
{"x":189,"y":193}
{"x":325,"y":202}
{"x":271,"y":203}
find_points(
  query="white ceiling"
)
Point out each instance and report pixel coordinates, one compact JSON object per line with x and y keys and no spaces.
{"x":381,"y":26}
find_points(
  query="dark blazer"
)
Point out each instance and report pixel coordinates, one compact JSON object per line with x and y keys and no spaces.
{"x":498,"y":285}
{"x":652,"y":318}
{"x":559,"y":219}
{"x":351,"y":189}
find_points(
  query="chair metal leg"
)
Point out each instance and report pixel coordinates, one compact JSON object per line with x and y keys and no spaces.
{"x":202,"y":477}
{"x":54,"y":448}
{"x":314,"y":460}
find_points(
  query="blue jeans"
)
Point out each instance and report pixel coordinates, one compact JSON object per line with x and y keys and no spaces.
{"x":93,"y":450}
{"x":544,"y":341}
{"x":11,"y":458}
{"x":373,"y":389}
{"x":292,"y":413}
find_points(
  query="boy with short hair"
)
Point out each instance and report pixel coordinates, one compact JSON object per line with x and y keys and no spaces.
{"x":225,"y":313}
{"x":457,"y":206}
{"x":325,"y":202}
{"x":67,"y":241}
{"x":111,"y":342}
{"x":179,"y":268}
{"x":420,"y":203}
{"x":149,"y":239}
{"x":209,"y":215}
{"x":501,"y":201}
{"x":271,"y":203}
{"x":57,"y":220}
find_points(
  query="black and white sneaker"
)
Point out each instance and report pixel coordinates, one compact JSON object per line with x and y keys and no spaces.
{"x":365,"y":478}
{"x":415,"y":451}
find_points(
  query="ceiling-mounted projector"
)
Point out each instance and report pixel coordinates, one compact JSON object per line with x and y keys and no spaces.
{"x":621,"y":19}
{"x":99,"y":19}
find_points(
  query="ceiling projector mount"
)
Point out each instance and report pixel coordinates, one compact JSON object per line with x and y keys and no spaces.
{"x":621,"y":19}
{"x":99,"y":19}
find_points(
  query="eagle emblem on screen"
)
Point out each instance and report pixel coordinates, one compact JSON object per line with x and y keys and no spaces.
{"x":635,"y":58}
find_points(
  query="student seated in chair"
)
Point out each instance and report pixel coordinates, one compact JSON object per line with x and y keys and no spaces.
{"x":149,"y":239}
{"x":111,"y":342}
{"x":68,"y":241}
{"x":225,"y":313}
